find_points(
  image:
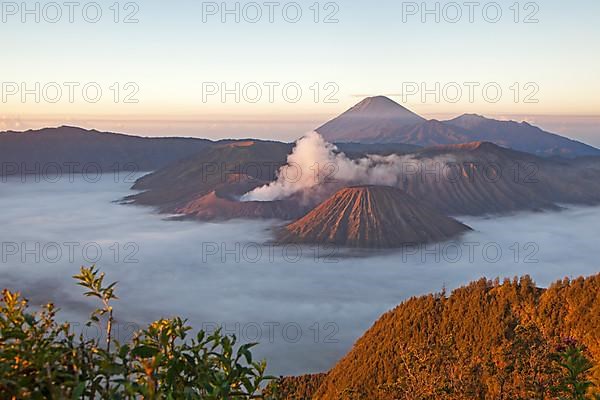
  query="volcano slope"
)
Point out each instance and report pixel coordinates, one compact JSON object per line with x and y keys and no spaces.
{"x":371,"y":217}
{"x":379,"y":119}
{"x":475,"y":178}
{"x":487,"y":340}
{"x":229,"y":167}
{"x":223,"y":203}
{"x":482,"y":178}
{"x":208,"y":185}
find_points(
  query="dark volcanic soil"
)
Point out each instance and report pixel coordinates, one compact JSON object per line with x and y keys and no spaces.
{"x":372,"y":217}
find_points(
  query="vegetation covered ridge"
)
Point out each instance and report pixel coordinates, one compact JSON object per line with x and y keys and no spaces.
{"x":491,"y":340}
{"x":487,"y":340}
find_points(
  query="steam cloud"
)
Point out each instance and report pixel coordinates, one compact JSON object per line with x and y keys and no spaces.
{"x":314,"y":163}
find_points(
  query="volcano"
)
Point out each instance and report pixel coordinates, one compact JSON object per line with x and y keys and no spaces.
{"x":381,"y":120}
{"x":372,"y":217}
{"x":480,"y":178}
{"x":223,"y":203}
{"x":369,"y":121}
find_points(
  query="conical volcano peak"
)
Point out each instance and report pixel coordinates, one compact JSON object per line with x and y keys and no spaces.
{"x":372,"y":118}
{"x":379,"y":119}
{"x":382,"y":106}
{"x":372,"y":217}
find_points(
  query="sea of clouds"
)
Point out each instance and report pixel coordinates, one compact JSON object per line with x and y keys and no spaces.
{"x":306,"y":306}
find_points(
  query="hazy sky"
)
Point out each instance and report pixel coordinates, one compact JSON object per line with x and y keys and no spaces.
{"x":178,"y":54}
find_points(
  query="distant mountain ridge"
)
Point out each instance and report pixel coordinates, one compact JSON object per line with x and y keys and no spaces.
{"x":522,"y":136}
{"x":381,"y":120}
{"x":34,"y":151}
{"x":37,"y":151}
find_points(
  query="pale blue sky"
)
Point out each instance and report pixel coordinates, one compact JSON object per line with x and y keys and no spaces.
{"x":171,"y":53}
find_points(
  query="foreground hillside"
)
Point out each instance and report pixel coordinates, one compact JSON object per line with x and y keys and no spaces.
{"x":484,"y":341}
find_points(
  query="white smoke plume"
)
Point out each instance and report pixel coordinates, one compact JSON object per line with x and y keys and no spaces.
{"x":314,"y":163}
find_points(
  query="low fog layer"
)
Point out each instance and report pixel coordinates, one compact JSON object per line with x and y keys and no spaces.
{"x":226,"y":273}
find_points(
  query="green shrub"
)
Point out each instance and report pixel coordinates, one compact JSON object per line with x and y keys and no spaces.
{"x":575,"y":384}
{"x":43,"y":359}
